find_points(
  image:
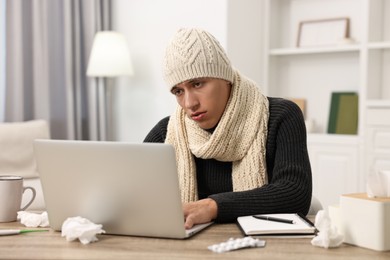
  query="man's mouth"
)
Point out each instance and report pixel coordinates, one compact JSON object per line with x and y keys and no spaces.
{"x":198,"y":116}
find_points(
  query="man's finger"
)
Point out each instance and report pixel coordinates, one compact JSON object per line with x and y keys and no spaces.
{"x":188,"y":223}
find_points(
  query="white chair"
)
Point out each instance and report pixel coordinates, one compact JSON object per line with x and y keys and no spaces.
{"x":17,"y":157}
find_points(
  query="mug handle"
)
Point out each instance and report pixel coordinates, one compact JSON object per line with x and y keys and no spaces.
{"x":34,"y":193}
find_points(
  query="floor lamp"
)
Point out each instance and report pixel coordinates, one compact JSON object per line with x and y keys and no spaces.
{"x":110,"y":57}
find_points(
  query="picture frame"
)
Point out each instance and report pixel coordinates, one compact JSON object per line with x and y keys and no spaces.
{"x":323,"y":32}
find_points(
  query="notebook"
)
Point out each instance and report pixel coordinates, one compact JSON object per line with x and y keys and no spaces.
{"x":131,"y":189}
{"x":272,"y":225}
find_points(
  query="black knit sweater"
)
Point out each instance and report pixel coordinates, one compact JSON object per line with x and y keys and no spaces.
{"x":289,"y":187}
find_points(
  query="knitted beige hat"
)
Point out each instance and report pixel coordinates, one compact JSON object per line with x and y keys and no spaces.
{"x":195,"y":53}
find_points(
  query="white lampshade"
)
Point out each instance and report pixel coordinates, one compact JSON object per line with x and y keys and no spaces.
{"x":110,"y":56}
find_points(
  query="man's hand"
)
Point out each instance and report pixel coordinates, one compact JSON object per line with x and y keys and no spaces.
{"x":198,"y":212}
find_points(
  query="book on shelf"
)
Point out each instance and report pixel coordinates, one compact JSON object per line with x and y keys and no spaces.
{"x":343,"y":114}
{"x":298,"y":225}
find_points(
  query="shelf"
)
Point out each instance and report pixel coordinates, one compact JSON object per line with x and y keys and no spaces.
{"x":361,"y":65}
{"x":314,"y":50}
{"x":331,"y":49}
{"x":380,"y":103}
{"x":378,"y":45}
{"x":331,"y":139}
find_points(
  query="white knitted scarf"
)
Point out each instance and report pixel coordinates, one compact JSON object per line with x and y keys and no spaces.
{"x":240,"y":137}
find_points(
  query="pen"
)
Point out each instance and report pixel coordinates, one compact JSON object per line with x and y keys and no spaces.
{"x":282,"y":220}
{"x":6,"y":232}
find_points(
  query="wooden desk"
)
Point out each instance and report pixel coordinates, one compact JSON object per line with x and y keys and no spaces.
{"x":50,"y":245}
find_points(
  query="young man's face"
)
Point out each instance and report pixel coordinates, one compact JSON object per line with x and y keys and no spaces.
{"x":204,"y":99}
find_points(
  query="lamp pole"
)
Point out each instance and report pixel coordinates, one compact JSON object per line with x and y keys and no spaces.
{"x":110,"y":57}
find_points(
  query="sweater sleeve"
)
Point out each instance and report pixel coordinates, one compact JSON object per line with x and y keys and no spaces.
{"x":289,"y":187}
{"x":158,"y":132}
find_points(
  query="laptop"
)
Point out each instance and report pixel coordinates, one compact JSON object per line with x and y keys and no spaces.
{"x":131,"y":189}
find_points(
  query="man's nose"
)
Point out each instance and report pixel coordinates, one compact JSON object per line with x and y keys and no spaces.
{"x":191,"y":101}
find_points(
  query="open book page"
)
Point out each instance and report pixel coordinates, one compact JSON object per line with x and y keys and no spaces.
{"x":254,"y":226}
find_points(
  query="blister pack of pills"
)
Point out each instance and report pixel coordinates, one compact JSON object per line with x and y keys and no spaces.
{"x":235,"y":244}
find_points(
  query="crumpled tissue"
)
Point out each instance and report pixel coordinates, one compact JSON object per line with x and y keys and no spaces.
{"x":378,"y":184}
{"x":81,"y":228}
{"x":30,"y":219}
{"x":327,"y":235}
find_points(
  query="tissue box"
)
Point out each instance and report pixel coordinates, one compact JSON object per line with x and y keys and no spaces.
{"x":365,"y":221}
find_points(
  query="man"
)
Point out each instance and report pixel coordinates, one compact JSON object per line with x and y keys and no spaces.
{"x":238,"y":152}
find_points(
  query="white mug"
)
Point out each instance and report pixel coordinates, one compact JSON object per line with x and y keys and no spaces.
{"x":11,"y":192}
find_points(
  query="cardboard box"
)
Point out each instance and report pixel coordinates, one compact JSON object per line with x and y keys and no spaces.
{"x":365,"y":221}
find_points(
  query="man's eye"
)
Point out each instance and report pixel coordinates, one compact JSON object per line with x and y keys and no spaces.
{"x":177,"y":92}
{"x":198,"y":84}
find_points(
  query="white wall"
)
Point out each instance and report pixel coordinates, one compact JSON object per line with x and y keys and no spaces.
{"x":2,"y":59}
{"x":246,"y":37}
{"x":141,"y":101}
